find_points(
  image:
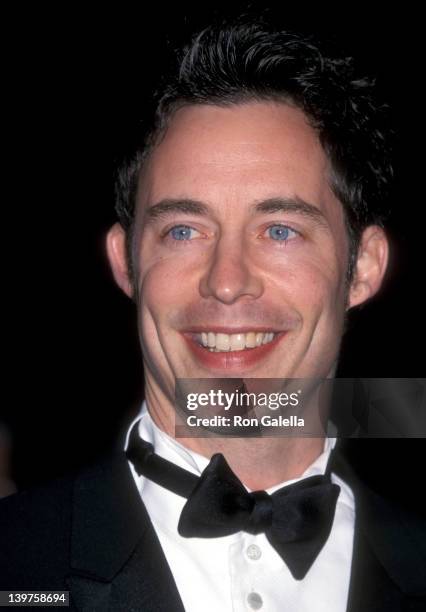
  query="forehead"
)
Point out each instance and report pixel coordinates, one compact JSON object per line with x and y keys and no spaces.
{"x":230,"y":157}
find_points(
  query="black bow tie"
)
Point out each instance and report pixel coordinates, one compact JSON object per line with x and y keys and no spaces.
{"x":296,"y":519}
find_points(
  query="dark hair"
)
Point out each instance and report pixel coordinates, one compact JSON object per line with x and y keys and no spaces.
{"x":248,"y":60}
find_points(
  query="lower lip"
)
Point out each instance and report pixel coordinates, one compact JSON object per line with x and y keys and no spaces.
{"x":232,"y":360}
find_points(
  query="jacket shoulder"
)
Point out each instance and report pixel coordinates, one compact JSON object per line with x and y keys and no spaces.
{"x":394,"y":530}
{"x":36,"y":526}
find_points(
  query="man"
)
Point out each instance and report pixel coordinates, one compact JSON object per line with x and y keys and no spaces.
{"x":249,"y":226}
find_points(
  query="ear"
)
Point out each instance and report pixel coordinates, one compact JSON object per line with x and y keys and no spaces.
{"x":372,"y":261}
{"x":116,"y":252}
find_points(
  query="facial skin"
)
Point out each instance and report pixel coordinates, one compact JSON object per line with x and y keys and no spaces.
{"x":268,"y":252}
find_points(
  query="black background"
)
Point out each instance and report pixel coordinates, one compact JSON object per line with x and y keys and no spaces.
{"x":73,"y":374}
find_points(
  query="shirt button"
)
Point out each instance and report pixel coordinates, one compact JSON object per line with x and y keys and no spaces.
{"x":253,"y":552}
{"x":254,"y":600}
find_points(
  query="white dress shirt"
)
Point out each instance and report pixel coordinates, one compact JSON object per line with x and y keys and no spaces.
{"x":243,"y":572}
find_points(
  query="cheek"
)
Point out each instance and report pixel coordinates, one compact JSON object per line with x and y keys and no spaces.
{"x":318,"y":297}
{"x":314,"y":285}
{"x":163,"y":288}
{"x":158,"y":290}
{"x":323,"y":311}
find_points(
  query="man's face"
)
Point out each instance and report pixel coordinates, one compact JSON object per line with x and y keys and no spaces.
{"x":240,"y":249}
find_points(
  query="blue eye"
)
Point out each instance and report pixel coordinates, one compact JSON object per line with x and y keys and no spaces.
{"x":280,"y":232}
{"x":181,"y":232}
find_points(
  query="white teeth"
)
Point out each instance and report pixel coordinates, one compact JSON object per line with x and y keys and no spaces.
{"x":237,"y":342}
{"x":250,"y":340}
{"x":223,"y":342}
{"x":233,"y":342}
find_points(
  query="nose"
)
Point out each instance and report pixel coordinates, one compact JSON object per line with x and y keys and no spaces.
{"x":230,"y":275}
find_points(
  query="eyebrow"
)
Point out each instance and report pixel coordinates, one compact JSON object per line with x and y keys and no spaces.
{"x":270,"y":206}
{"x":292,"y":205}
{"x":168,"y":206}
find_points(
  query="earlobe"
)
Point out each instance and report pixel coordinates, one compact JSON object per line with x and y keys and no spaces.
{"x":117,"y":257}
{"x":372,"y":261}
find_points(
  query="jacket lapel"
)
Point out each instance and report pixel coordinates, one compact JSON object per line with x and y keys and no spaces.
{"x":388,"y":571}
{"x":116,"y":558}
{"x":370,"y":586}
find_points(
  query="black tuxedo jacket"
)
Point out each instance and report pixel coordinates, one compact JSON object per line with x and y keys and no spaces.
{"x":90,"y":534}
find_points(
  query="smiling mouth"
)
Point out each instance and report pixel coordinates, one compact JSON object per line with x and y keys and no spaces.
{"x":226,"y":350}
{"x":225,"y":343}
